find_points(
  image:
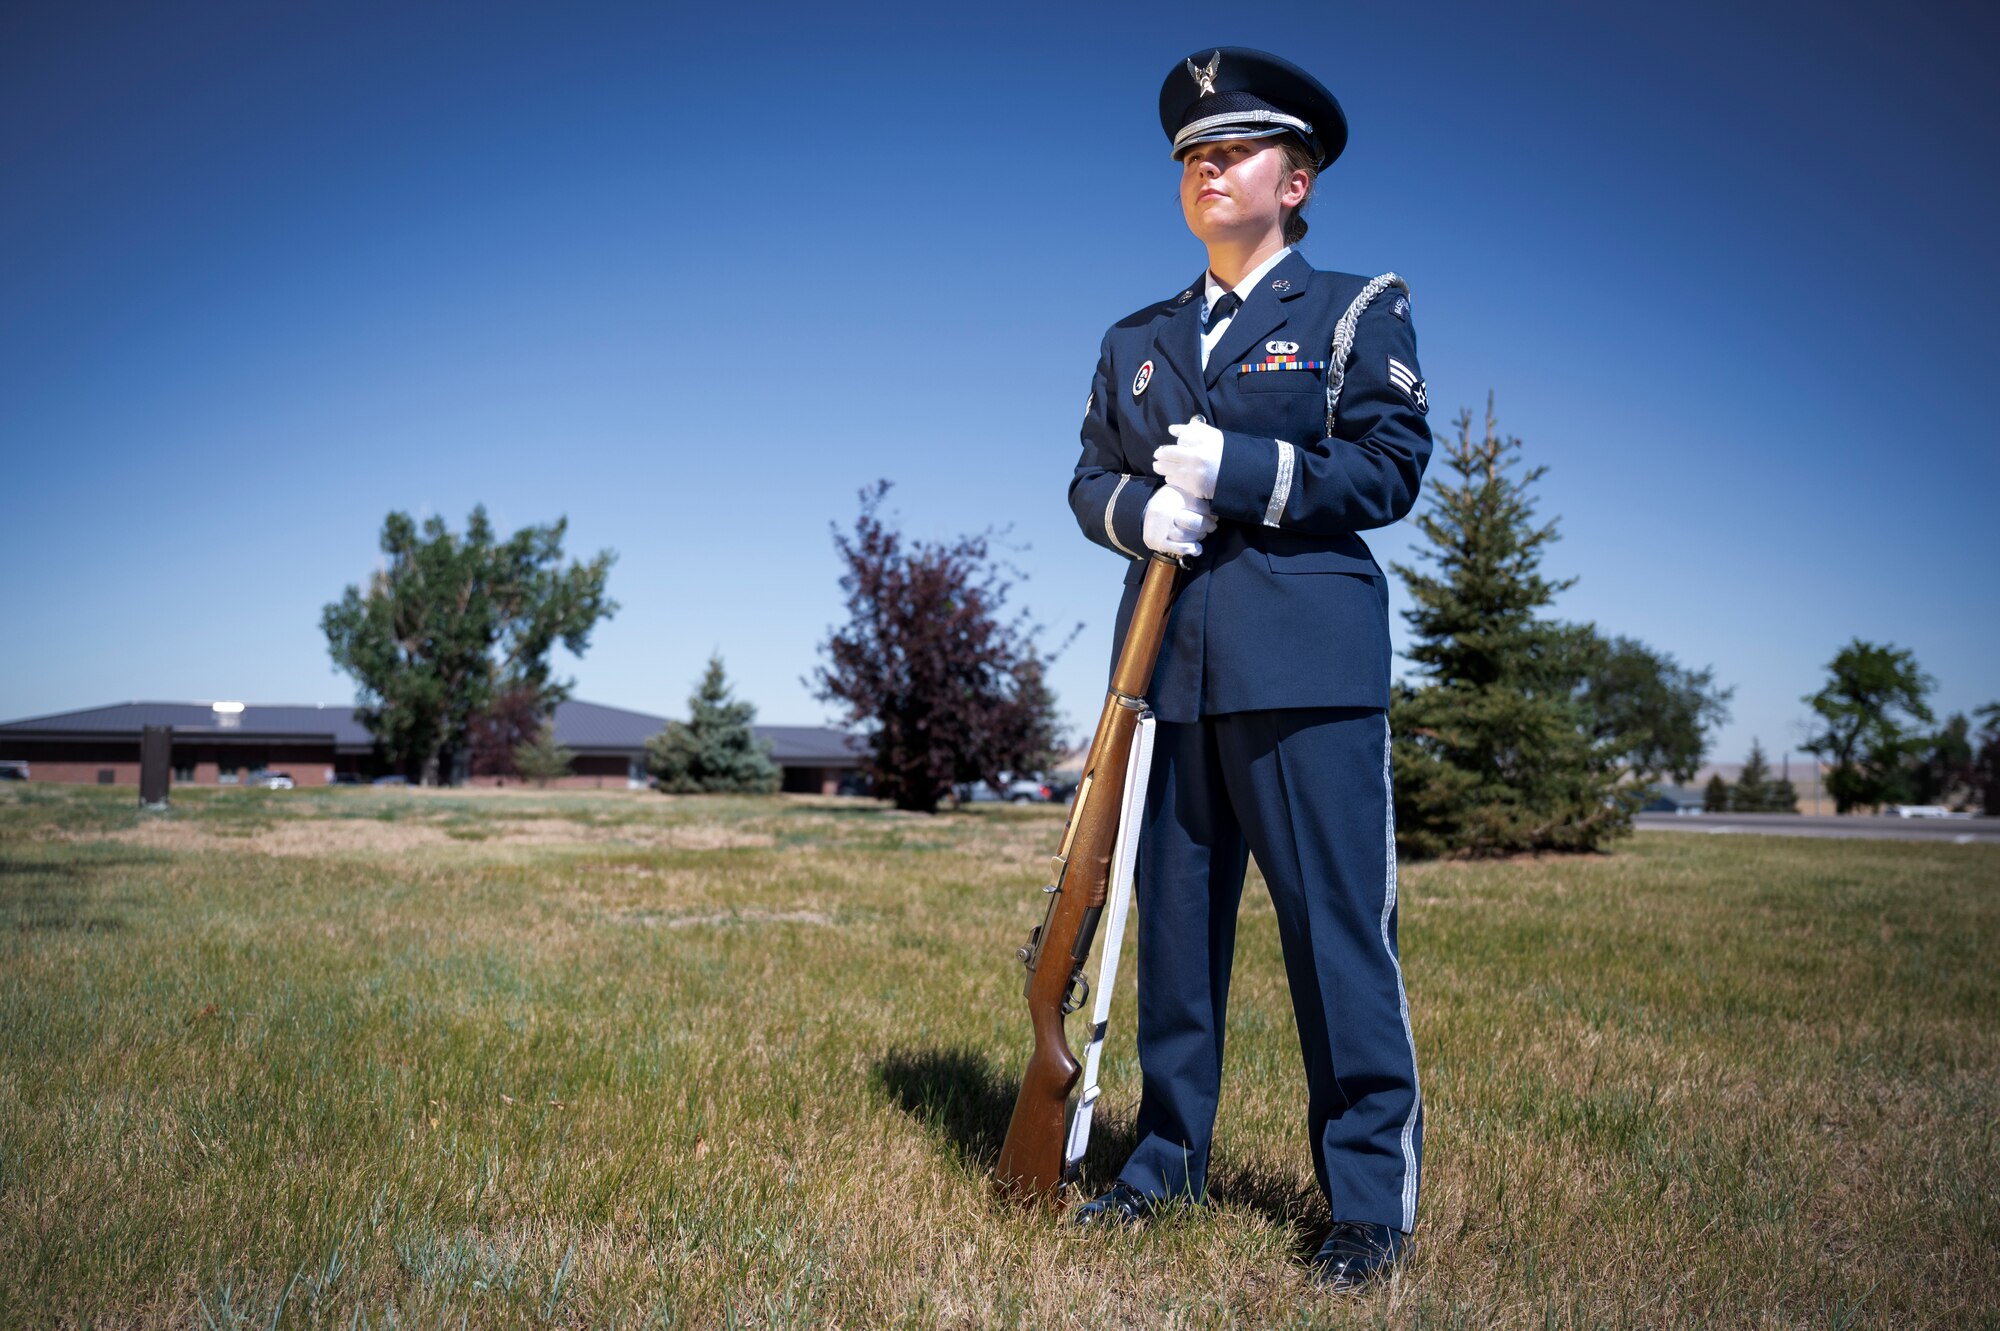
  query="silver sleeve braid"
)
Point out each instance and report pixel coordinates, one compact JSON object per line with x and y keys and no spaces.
{"x":1343,"y":342}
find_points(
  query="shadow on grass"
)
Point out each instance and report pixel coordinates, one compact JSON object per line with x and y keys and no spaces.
{"x":957,"y":1094}
{"x":1278,"y":1195}
{"x":960,"y":1097}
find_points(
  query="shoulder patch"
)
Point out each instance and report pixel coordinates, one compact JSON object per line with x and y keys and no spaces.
{"x":1141,"y":379}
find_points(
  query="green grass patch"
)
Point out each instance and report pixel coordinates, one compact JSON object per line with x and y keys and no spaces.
{"x":375,"y":1057}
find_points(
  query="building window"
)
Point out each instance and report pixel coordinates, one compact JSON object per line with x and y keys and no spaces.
{"x":225,"y":774}
{"x":107,"y":776}
{"x":184,"y":771}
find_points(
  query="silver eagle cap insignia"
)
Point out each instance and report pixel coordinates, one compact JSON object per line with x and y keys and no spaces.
{"x":1204,"y":79}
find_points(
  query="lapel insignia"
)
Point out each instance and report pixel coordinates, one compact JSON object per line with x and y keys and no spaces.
{"x":1282,"y":348}
{"x":1186,"y":296}
{"x":1280,"y":284}
{"x":1142,"y":378}
{"x":1204,"y":79}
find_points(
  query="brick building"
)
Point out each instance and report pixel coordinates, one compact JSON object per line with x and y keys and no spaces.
{"x":227,"y":743}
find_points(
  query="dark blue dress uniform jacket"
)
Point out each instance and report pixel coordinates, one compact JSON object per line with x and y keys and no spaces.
{"x":1285,"y":607}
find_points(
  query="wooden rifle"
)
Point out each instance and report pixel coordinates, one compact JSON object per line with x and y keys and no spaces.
{"x":1031,"y":1159}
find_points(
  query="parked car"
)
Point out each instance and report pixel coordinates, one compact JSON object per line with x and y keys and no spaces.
{"x":13,"y":771}
{"x":344,"y":779}
{"x":1028,"y":789}
{"x":394,"y":779}
{"x":272,"y":780}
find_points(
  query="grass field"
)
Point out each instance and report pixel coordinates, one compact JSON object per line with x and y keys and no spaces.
{"x":373,"y":1058}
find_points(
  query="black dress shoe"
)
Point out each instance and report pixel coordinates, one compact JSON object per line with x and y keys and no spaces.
{"x":1356,"y":1254}
{"x":1119,"y":1205}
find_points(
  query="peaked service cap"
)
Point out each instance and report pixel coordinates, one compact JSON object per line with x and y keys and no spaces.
{"x":1233,"y":92}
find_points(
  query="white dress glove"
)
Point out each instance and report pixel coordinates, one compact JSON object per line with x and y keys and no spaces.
{"x":1193,"y":461}
{"x":1175,"y":522}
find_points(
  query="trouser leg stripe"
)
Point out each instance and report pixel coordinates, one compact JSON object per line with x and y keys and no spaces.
{"x":1402,"y":999}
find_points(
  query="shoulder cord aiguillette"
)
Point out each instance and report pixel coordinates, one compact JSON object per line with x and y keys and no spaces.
{"x":1343,"y":342}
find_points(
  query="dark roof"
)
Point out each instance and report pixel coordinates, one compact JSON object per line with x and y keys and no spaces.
{"x":587,"y":727}
{"x":821,"y":746}
{"x":257,"y":722}
{"x":591,"y":726}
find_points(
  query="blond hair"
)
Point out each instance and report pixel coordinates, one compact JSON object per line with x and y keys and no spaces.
{"x":1297,"y":158}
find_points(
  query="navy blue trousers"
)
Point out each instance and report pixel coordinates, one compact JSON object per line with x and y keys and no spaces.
{"x":1307,"y":792}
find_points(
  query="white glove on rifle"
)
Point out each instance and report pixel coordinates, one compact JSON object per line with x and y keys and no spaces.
{"x":1193,"y":461}
{"x":1176,"y":523}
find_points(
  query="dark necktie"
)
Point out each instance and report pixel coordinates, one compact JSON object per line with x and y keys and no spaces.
{"x":1225,"y":305}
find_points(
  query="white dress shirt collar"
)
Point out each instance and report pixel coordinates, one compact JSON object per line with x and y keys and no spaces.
{"x":1212,"y":332}
{"x":1214,"y":289}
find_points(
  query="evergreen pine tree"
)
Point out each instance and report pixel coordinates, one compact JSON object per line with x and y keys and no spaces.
{"x":1753,"y":784}
{"x":1495,"y":752}
{"x":713,"y":752}
{"x":1784,"y":797}
{"x":542,"y":760}
{"x":1715,"y":799}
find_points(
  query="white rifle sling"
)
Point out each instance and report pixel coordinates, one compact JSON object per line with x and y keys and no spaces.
{"x":1124,"y":857}
{"x":1343,"y":342}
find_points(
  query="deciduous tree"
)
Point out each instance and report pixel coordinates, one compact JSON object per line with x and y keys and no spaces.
{"x":1871,"y":710}
{"x":945,"y":689}
{"x":450,"y":621}
{"x":1655,"y":712}
{"x":1986,"y":757}
{"x":1944,"y":771}
{"x":714,"y":751}
{"x":514,"y":718}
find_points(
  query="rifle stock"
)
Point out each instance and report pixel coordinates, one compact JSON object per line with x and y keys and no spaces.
{"x":1031,"y":1159}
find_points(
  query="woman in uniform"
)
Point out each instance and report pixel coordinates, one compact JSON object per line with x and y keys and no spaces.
{"x":1252,"y":424}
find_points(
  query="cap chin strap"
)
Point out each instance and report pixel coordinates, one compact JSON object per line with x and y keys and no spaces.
{"x":1255,"y":124}
{"x":1343,"y":342}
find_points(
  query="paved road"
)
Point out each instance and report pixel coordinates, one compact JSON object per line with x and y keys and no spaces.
{"x":1961,"y":831}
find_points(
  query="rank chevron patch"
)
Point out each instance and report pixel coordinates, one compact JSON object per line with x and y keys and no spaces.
{"x":1405,"y":379}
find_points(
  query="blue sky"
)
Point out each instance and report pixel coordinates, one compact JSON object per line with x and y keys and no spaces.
{"x":691,"y":278}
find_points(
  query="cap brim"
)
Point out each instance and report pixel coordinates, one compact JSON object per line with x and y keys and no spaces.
{"x":1223,"y":134}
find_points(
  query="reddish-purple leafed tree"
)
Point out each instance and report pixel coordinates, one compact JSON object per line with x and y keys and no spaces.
{"x":946,"y":690}
{"x":515,"y":718}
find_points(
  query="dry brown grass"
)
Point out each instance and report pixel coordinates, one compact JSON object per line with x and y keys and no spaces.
{"x":549,"y":1058}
